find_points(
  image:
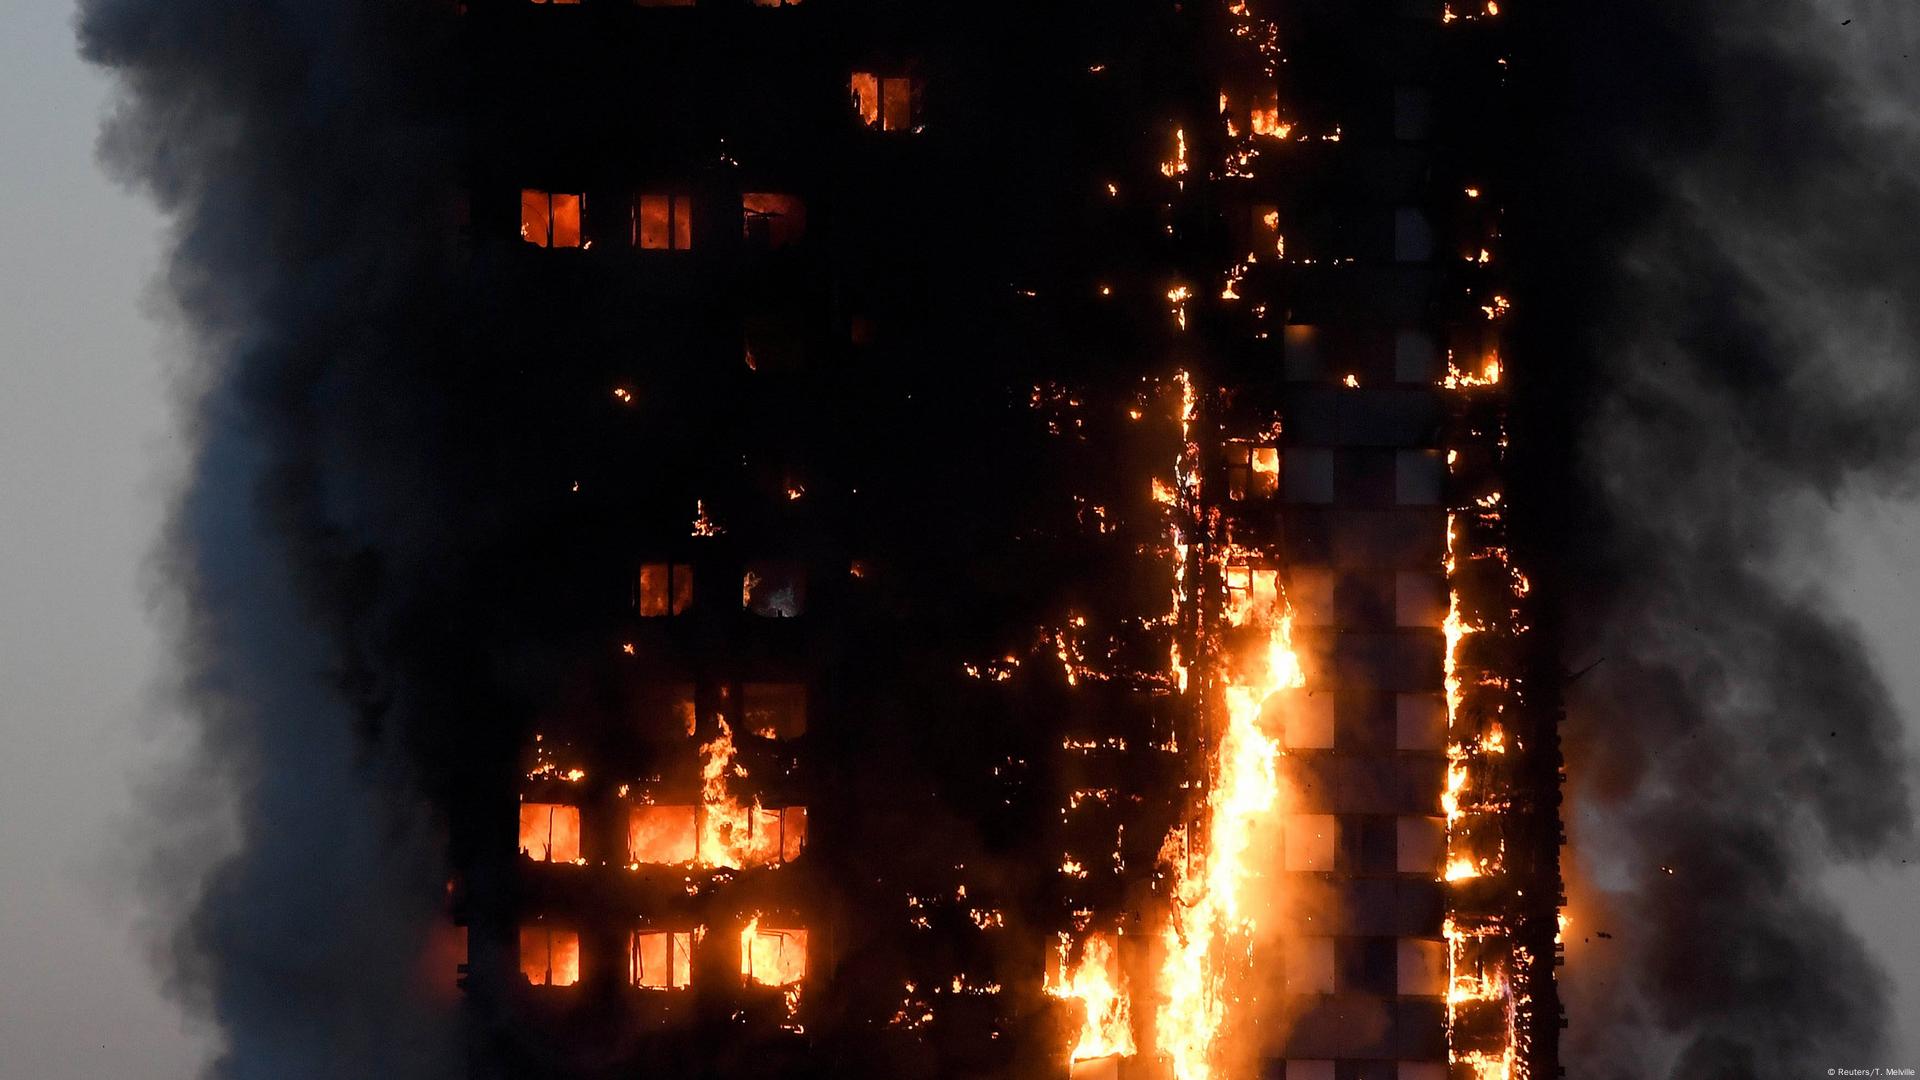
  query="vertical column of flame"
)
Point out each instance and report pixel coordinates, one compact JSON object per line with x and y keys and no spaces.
{"x":1210,"y":889}
{"x":726,"y":827}
{"x":1096,"y":982}
{"x":1213,"y":871}
{"x":1483,"y":959}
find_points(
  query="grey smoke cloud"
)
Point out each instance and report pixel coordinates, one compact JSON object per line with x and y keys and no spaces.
{"x":295,"y":147}
{"x":1753,"y":333}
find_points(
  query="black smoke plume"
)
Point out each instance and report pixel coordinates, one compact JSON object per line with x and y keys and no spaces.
{"x":304,"y":159}
{"x":1725,"y":322}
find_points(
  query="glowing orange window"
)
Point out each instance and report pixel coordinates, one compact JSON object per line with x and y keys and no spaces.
{"x":662,"y":835}
{"x":663,"y":222}
{"x":550,"y":832}
{"x":887,"y":103}
{"x":772,"y":956}
{"x":549,"y":956}
{"x":660,"y":960}
{"x":551,"y":218}
{"x":1263,"y":109}
{"x":665,"y":589}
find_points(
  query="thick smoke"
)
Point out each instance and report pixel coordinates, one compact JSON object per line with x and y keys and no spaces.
{"x":299,"y":150}
{"x":1727,"y":217}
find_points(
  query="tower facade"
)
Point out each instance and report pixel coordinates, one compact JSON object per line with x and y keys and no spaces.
{"x":1021,"y":548}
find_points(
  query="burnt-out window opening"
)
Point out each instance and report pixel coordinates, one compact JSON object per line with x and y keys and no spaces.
{"x":550,"y":832}
{"x":660,"y":959}
{"x":774,"y":710}
{"x":774,"y":590}
{"x":886,"y":102}
{"x":1253,"y":470}
{"x":664,"y":589}
{"x":662,"y":222}
{"x":549,"y":956}
{"x":773,"y":956}
{"x":551,"y":219}
{"x":770,"y":221}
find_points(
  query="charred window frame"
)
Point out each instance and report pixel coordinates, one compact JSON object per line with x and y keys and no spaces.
{"x":550,"y":832}
{"x":774,"y":590}
{"x":1249,"y":588}
{"x":549,"y":955}
{"x":772,"y":220}
{"x":779,"y":835}
{"x":887,"y":102}
{"x":773,"y":956}
{"x":660,"y":959}
{"x":552,"y":219}
{"x":663,"y":589}
{"x":1253,"y":470}
{"x":662,"y":222}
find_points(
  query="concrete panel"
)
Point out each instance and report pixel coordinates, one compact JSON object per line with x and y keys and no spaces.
{"x":1309,"y":965}
{"x":1306,"y":719}
{"x":1420,"y":908}
{"x":1421,"y":846}
{"x":1400,"y":539}
{"x":1420,"y":721}
{"x":1420,"y":1030}
{"x":1418,"y":477}
{"x":1419,"y":598}
{"x":1309,"y":842}
{"x":1422,"y":967}
{"x":1345,"y":1026}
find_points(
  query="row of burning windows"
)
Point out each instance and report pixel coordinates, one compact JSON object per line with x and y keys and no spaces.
{"x":657,"y":221}
{"x":667,"y":835}
{"x":768,"y":589}
{"x":663,"y":221}
{"x":663,"y":959}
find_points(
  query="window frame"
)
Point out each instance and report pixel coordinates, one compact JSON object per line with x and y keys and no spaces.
{"x":679,"y":221}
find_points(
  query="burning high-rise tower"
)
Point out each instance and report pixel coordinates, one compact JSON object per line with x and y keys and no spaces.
{"x":1032,"y":486}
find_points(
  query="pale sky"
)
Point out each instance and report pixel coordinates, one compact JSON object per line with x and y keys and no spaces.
{"x":87,"y":452}
{"x":85,"y":444}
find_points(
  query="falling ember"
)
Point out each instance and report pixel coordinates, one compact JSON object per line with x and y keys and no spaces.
{"x":1096,"y":982}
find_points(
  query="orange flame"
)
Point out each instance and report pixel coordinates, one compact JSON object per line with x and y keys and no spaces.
{"x":1095,"y":982}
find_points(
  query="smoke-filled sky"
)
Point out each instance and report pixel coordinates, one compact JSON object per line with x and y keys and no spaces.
{"x":90,"y":453}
